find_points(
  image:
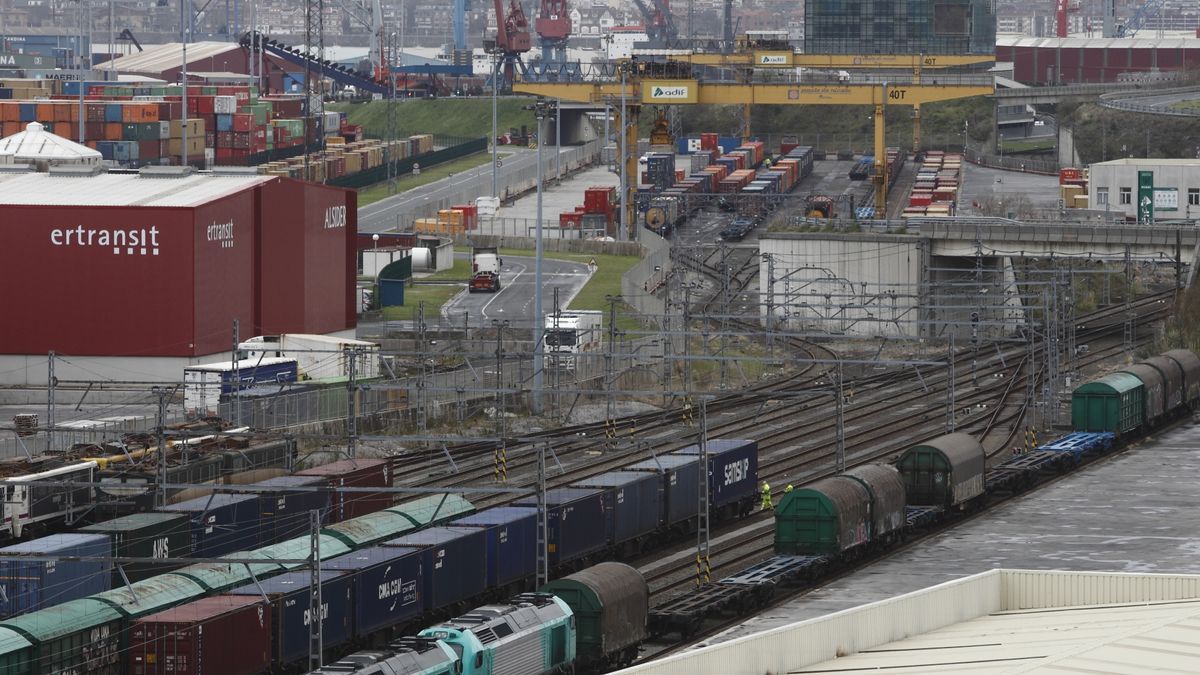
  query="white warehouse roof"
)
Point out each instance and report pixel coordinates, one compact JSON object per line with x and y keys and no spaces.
{"x":1000,"y":621}
{"x":119,"y":189}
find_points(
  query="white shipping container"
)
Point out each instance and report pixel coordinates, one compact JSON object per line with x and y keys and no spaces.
{"x":333,"y":122}
{"x":375,"y":259}
{"x":319,"y":357}
{"x":224,"y":105}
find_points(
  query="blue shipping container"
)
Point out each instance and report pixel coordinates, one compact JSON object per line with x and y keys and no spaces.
{"x":455,"y":563}
{"x":732,"y":469}
{"x":387,"y":585}
{"x":290,"y":613}
{"x":220,"y":523}
{"x":30,"y":585}
{"x":511,"y":533}
{"x":224,"y":122}
{"x":680,"y":484}
{"x":635,"y":500}
{"x":285,"y":513}
{"x":113,"y":112}
{"x":576,"y":522}
{"x":28,"y":111}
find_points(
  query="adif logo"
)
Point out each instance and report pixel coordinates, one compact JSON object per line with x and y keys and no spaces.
{"x":773,"y":60}
{"x":123,"y":242}
{"x":669,"y":92}
{"x":221,"y":233}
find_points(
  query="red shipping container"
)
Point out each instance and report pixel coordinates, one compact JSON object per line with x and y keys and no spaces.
{"x":709,"y":142}
{"x":355,"y":473}
{"x":243,"y":122}
{"x":570,"y":220}
{"x":221,"y":635}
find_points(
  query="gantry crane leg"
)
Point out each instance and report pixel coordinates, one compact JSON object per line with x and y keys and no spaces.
{"x":881,"y":165}
{"x":627,"y":123}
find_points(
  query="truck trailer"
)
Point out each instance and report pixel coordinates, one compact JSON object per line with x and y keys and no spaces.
{"x":318,"y":357}
{"x":485,"y":270}
{"x":206,"y":385}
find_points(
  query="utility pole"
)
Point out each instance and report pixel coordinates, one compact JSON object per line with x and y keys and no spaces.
{"x":1129,"y":327}
{"x":542,"y":110}
{"x":543,"y":561}
{"x":51,"y":385}
{"x":610,"y":366}
{"x":237,"y":376}
{"x":501,"y":457}
{"x":557,"y":367}
{"x":183,"y":79}
{"x":703,"y":568}
{"x":422,"y":397}
{"x":950,"y":403}
{"x":316,"y":607}
{"x":351,"y":354}
{"x":840,"y":457}
{"x":160,"y":431}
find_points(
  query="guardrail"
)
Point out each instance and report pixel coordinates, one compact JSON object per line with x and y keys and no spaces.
{"x":1115,"y":101}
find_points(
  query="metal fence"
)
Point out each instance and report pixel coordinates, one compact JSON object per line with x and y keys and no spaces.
{"x":977,"y":156}
{"x":1123,"y":101}
{"x":458,"y":148}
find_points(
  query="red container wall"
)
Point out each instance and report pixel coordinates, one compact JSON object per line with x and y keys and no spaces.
{"x":222,"y":635}
{"x":306,"y":272}
{"x":355,"y":473}
{"x":93,"y":298}
{"x":224,"y":270}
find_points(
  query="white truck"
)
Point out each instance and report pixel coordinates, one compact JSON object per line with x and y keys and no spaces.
{"x":485,"y":270}
{"x":319,"y":357}
{"x":570,"y":334}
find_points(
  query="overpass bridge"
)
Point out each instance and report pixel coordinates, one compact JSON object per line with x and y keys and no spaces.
{"x":1006,"y":94}
{"x":1083,"y":240}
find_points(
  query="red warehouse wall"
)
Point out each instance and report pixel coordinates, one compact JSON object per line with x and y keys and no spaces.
{"x":97,"y":280}
{"x":280,"y":268}
{"x":224,"y":270}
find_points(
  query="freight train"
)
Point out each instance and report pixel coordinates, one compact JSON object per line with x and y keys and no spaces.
{"x":384,"y":571}
{"x":836,"y":520}
{"x":590,"y":620}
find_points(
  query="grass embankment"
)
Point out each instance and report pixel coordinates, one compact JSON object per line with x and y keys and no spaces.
{"x":378,"y":191}
{"x":468,"y":117}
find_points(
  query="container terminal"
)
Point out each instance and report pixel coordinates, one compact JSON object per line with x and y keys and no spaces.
{"x":654,"y":376}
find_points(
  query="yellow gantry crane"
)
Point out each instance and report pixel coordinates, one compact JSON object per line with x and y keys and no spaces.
{"x":663,"y":84}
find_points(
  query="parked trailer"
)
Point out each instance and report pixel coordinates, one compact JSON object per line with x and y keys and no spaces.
{"x":207,"y":385}
{"x":946,"y":471}
{"x":610,"y":601}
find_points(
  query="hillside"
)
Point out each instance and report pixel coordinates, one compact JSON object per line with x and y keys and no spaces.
{"x":466,"y":117}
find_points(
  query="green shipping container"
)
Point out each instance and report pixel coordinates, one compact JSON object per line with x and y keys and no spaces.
{"x":151,"y":595}
{"x":946,"y":471}
{"x":610,"y":602}
{"x":146,"y":535}
{"x":16,"y":653}
{"x":827,"y":517}
{"x":81,"y":636}
{"x":1113,"y":403}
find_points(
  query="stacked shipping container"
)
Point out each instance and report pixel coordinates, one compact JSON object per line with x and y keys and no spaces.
{"x":935,"y":192}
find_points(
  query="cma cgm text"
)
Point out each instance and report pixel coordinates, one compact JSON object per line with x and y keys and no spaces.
{"x":131,"y":242}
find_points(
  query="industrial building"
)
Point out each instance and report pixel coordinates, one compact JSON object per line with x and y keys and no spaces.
{"x":905,"y":27}
{"x":1113,"y":187}
{"x":146,"y":272}
{"x":1045,"y":61}
{"x":165,"y":62}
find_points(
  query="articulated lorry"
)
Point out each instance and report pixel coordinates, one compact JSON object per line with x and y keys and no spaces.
{"x":569,"y":335}
{"x":485,"y":270}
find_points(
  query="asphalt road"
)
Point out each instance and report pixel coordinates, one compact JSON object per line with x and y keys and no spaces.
{"x":515,"y":300}
{"x":385,"y":214}
{"x":1158,"y":102}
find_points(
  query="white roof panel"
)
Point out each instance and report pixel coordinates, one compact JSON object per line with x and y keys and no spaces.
{"x":112,"y":189}
{"x":165,"y":57}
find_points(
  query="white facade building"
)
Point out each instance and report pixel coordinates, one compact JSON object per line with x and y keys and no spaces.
{"x":1113,"y":186}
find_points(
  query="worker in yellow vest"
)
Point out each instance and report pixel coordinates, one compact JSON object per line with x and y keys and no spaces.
{"x":766,"y":497}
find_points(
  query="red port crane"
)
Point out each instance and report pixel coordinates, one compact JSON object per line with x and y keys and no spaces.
{"x":1060,"y":15}
{"x":512,"y":36}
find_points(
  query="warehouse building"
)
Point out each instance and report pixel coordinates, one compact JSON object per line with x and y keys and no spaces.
{"x":1113,"y":187}
{"x":135,"y":275}
{"x":899,"y":27}
{"x":165,"y":62}
{"x":1077,"y":60}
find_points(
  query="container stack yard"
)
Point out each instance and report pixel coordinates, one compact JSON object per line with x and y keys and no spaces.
{"x":935,"y":192}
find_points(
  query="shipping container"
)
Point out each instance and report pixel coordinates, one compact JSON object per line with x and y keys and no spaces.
{"x":511,"y":533}
{"x":828,"y":517}
{"x":610,"y":602}
{"x":358,"y":473}
{"x":1172,"y":375}
{"x":221,"y":523}
{"x":576,"y":521}
{"x":206,"y":386}
{"x":29,"y":585}
{"x":146,"y":535}
{"x":1189,"y":363}
{"x":635,"y":508}
{"x":81,"y":636}
{"x":291,"y":612}
{"x":1153,"y":391}
{"x":387,"y":586}
{"x":455,"y":563}
{"x":285,"y":514}
{"x":679,"y":484}
{"x":221,"y":635}
{"x":732,"y":473}
{"x":946,"y":471}
{"x":888,"y":499}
